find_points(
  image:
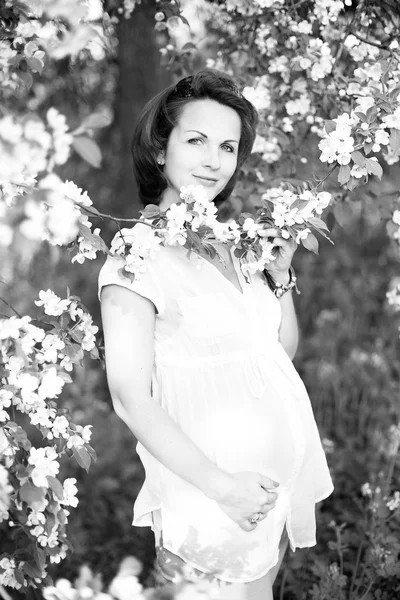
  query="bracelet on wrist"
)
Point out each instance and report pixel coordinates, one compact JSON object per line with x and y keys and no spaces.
{"x":281,"y":288}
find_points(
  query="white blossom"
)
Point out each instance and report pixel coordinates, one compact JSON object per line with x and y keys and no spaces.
{"x":42,"y":416}
{"x":59,"y":428}
{"x":71,"y":191}
{"x":51,"y":345}
{"x":61,"y":222}
{"x":62,"y":140}
{"x":339,"y":144}
{"x":52,"y":304}
{"x":366,"y":490}
{"x":69,"y":493}
{"x":358,"y":172}
{"x":364,"y":103}
{"x":44,"y":463}
{"x":251,"y":227}
{"x":392,"y":121}
{"x":5,"y":491}
{"x":127,"y":587}
{"x":301,"y":106}
{"x":259,"y":94}
{"x":137,"y":246}
{"x":86,"y":250}
{"x":7,"y":568}
{"x":51,"y":384}
{"x":394,"y":502}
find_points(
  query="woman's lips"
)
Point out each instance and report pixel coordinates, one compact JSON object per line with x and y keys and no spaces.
{"x":206,"y":182}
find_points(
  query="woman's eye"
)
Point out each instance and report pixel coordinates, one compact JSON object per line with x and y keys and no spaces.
{"x":227,"y":147}
{"x":194,"y":141}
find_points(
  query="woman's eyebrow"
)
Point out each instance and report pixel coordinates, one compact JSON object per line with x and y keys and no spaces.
{"x":205,"y":136}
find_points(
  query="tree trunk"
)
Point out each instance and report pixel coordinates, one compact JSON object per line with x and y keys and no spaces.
{"x":141,"y":77}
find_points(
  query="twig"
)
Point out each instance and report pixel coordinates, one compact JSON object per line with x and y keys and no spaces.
{"x":117,"y":220}
{"x":5,"y":595}
{"x":390,"y":473}
{"x":371,"y":583}
{"x":356,"y":567}
{"x":12,"y":308}
{"x":326,"y":176}
{"x":367,"y":41}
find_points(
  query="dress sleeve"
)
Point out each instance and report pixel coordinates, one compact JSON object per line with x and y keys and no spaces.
{"x":148,"y":285}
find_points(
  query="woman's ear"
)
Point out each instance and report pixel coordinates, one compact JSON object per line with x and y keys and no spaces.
{"x":161,"y":159}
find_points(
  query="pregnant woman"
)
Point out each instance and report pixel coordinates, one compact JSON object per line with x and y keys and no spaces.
{"x":199,"y":365}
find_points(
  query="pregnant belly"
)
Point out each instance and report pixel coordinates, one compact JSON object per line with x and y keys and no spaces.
{"x":249,"y":434}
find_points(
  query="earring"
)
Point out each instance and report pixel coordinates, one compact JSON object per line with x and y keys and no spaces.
{"x":160,"y":162}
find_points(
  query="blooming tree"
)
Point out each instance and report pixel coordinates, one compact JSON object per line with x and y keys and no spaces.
{"x":324,"y":70}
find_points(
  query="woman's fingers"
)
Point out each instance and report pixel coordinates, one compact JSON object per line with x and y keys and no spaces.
{"x":247,"y":526}
{"x":269,"y":232}
{"x":267,"y":483}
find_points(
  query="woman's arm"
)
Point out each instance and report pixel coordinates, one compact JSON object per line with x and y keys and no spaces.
{"x":288,"y":330}
{"x":128,"y":323}
{"x":279,"y":270}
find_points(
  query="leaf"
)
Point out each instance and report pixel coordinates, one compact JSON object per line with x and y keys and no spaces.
{"x":193,"y":238}
{"x":372,"y":113}
{"x":188,"y":46}
{"x":40,"y":557}
{"x":82,"y":457}
{"x":27,"y":79}
{"x":368,"y":147}
{"x":342,"y":212}
{"x":330,"y":217}
{"x":19,"y":435}
{"x":394,"y":140}
{"x":32,"y":570}
{"x":29,"y":493}
{"x":330,"y":126}
{"x":64,"y":376}
{"x":42,"y":325}
{"x":358,"y":158}
{"x":88,"y":150}
{"x":95,"y":240}
{"x":243,"y":217}
{"x":150,"y":211}
{"x":184,"y":20}
{"x":299,"y":204}
{"x":361,"y":116}
{"x":19,"y":576}
{"x":344,"y":174}
{"x":56,"y":486}
{"x":92,"y":452}
{"x":73,"y":351}
{"x":94,"y":121}
{"x":35,"y":64}
{"x":127,"y":275}
{"x":319,"y":223}
{"x":391,"y":228}
{"x":311,"y":243}
{"x":374,"y":167}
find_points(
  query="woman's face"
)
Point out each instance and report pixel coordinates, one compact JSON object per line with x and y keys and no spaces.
{"x":202,"y":149}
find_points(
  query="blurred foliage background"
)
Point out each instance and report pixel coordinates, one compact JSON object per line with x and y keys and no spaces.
{"x":349,"y":349}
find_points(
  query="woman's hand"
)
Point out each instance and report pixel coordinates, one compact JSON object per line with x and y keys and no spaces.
{"x":284,"y":250}
{"x":247,"y":494}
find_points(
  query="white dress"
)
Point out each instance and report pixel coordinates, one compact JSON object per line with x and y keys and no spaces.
{"x":222,"y":375}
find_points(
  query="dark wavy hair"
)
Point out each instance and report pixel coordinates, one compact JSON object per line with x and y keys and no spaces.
{"x":161,"y":114}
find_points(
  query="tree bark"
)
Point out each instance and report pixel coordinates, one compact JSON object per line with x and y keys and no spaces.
{"x":141,"y":77}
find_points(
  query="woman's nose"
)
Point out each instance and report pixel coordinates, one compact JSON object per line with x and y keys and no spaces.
{"x":211,"y":158}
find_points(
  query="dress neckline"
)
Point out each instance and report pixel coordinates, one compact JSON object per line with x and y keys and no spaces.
{"x":239,"y":289}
